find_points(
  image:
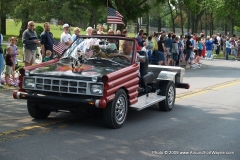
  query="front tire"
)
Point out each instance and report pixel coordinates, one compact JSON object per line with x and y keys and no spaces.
{"x":167,"y":89}
{"x":116,"y":111}
{"x":36,"y":112}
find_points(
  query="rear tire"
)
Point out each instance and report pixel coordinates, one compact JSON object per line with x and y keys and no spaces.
{"x":36,"y":112}
{"x":116,"y":111}
{"x":168,"y":90}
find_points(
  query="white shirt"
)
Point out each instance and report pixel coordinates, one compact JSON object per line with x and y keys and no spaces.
{"x":65,"y":37}
{"x":219,"y":39}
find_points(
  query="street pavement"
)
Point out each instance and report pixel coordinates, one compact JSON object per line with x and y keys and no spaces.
{"x":204,"y":124}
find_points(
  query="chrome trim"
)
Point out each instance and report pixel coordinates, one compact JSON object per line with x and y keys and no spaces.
{"x":164,"y":75}
{"x":60,"y":85}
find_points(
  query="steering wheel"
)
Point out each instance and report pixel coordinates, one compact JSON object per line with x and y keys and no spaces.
{"x":102,"y":55}
{"x":122,"y":57}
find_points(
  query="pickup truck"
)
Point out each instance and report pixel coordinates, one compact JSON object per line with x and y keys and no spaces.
{"x":102,"y":71}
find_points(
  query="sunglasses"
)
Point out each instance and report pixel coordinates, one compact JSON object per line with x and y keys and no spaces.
{"x":32,"y":25}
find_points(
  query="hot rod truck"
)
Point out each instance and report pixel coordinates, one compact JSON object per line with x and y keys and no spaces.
{"x":100,"y":71}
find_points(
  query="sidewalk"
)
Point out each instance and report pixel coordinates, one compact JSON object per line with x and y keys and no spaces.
{"x":5,"y":43}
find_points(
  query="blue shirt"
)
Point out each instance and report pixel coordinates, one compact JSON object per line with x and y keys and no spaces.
{"x":228,"y":44}
{"x":47,"y":40}
{"x":168,"y":43}
{"x":209,"y":45}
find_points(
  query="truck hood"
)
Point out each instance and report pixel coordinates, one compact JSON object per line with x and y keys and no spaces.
{"x":64,"y":70}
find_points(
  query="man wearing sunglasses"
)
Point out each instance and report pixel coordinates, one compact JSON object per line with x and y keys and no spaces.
{"x":30,"y":43}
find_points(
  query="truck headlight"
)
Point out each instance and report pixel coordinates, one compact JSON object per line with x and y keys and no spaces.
{"x":29,"y":83}
{"x":96,"y":89}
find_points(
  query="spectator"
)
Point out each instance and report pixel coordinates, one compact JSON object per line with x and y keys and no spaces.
{"x":209,"y":45}
{"x":9,"y":63}
{"x":47,"y":57}
{"x":234,"y":48}
{"x":218,"y":43}
{"x":203,"y":40}
{"x":89,"y":31}
{"x":100,"y":29}
{"x":112,"y":42}
{"x":30,"y":43}
{"x":118,"y":32}
{"x":168,"y":44}
{"x":69,"y":30}
{"x":76,"y":33}
{"x":15,"y":51}
{"x":189,"y":48}
{"x":238,"y":42}
{"x":1,"y":58}
{"x":125,"y":33}
{"x":224,"y":45}
{"x":66,"y":38}
{"x":94,"y":32}
{"x":228,"y":48}
{"x":175,"y":51}
{"x":161,"y":51}
{"x":200,"y":49}
{"x":46,"y":40}
{"x":139,"y":39}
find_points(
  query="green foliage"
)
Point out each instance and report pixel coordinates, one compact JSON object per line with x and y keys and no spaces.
{"x":39,"y":30}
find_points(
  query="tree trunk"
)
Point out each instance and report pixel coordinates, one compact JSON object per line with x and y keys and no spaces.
{"x":225,"y":28}
{"x":231,"y":26}
{"x":92,"y":19}
{"x":3,"y":24}
{"x":189,"y":20}
{"x":147,"y":26}
{"x":205,"y":24}
{"x":172,"y":19}
{"x":181,"y":21}
{"x":23,"y":27}
{"x":159,"y":24}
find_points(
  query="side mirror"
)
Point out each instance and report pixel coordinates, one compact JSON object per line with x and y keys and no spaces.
{"x":141,"y":59}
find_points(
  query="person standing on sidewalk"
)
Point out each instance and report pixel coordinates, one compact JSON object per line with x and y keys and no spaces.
{"x":1,"y":58}
{"x":228,"y":47}
{"x":46,"y":40}
{"x":30,"y":41}
{"x":209,"y":45}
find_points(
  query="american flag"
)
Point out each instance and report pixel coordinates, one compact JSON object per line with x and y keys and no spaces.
{"x":58,"y":47}
{"x":114,"y":16}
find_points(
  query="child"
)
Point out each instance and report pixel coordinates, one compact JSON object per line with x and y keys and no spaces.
{"x":15,"y":51}
{"x":234,"y":49}
{"x":9,"y":64}
{"x":48,"y":55}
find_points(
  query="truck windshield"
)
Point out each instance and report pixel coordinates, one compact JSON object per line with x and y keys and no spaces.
{"x":114,"y":49}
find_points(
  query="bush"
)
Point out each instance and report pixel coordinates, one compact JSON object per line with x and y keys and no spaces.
{"x":39,"y":30}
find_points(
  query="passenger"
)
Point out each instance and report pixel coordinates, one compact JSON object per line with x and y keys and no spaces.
{"x":112,"y":42}
{"x":47,"y":57}
{"x":100,"y":29}
{"x":66,"y":38}
{"x":89,"y":31}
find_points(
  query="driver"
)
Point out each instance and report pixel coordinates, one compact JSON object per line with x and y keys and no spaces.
{"x":127,"y":47}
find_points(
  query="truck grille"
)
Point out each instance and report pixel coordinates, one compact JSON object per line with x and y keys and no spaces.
{"x":61,"y":85}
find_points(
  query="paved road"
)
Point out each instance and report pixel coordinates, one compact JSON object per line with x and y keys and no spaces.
{"x":204,"y":124}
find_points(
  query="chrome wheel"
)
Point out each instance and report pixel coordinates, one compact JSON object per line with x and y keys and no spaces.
{"x":116,"y":111}
{"x":120,"y":109}
{"x":171,"y":96}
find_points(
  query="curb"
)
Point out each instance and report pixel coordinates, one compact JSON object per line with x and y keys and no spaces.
{"x":2,"y":89}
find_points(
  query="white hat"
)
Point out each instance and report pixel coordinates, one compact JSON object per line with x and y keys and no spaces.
{"x":65,"y":25}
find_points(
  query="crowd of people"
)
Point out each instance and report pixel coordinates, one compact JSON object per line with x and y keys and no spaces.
{"x":170,"y":49}
{"x":162,"y":48}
